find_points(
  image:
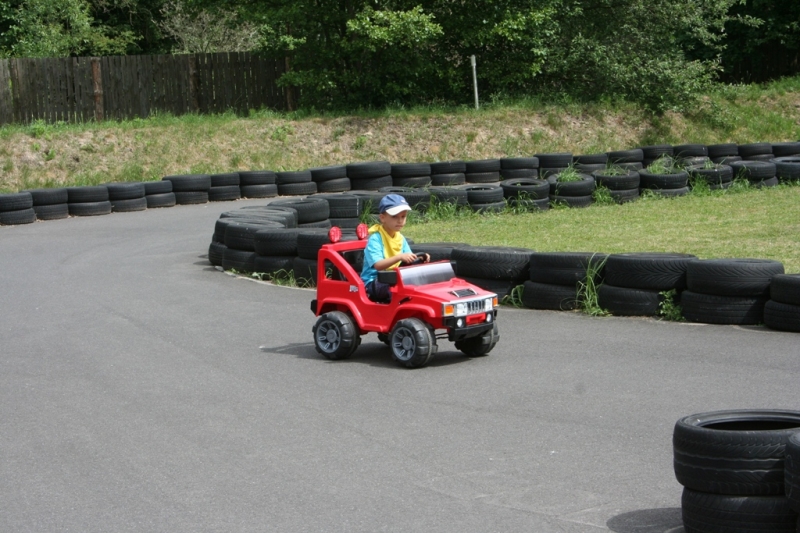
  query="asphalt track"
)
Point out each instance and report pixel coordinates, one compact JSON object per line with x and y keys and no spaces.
{"x":143,"y":390}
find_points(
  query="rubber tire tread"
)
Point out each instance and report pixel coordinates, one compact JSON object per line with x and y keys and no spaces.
{"x":519,"y":163}
{"x":482,"y":166}
{"x":528,"y":188}
{"x":490,"y":207}
{"x":792,"y":471}
{"x":780,"y":316}
{"x":493,"y":262}
{"x":266,"y":190}
{"x":733,"y":452}
{"x":635,"y":155}
{"x":440,"y":180}
{"x":785,"y":288}
{"x":732,"y":277}
{"x":484,"y":194}
{"x":257,"y":177}
{"x":48,"y":196}
{"x":554,"y":160}
{"x":410,"y":170}
{"x":334,"y":172}
{"x":51,"y":212}
{"x":216,"y":251}
{"x":753,"y":170}
{"x":334,"y":185}
{"x":584,"y":187}
{"x":564,"y":268}
{"x":368,"y":170}
{"x":305,"y":271}
{"x":275,"y":242}
{"x":549,"y":296}
{"x":88,"y":209}
{"x":241,"y":260}
{"x":189,"y":182}
{"x":727,"y":310}
{"x":572,"y":201}
{"x":716,"y":513}
{"x":129,"y":206}
{"x":649,"y":271}
{"x":20,"y":216}
{"x":649,"y":180}
{"x":157,"y":187}
{"x":449,"y":167}
{"x":313,"y":209}
{"x":623,"y":301}
{"x":272,"y":264}
{"x":617,"y":183}
{"x":370,"y":184}
{"x":297,"y":189}
{"x":95,"y":193}
{"x":227,"y":179}
{"x":224,"y":193}
{"x":625,"y":196}
{"x":191,"y":197}
{"x":241,"y":235}
{"x":292,"y":177}
{"x":482,"y":177}
{"x":425,"y":342}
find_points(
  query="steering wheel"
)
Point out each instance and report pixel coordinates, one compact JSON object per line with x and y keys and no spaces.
{"x":418,"y":261}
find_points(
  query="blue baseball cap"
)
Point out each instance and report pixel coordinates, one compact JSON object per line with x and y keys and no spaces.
{"x":393,"y":204}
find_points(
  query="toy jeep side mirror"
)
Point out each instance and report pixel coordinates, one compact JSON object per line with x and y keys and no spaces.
{"x":388,"y":277}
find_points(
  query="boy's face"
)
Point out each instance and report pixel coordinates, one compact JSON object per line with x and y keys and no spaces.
{"x":393,"y":223}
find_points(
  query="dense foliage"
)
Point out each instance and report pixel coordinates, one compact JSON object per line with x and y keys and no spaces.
{"x":373,"y":53}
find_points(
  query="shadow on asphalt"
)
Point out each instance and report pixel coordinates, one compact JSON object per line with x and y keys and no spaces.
{"x":373,"y":353}
{"x":663,"y":520}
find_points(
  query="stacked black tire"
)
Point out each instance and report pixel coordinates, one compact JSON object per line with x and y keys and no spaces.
{"x":553,"y":163}
{"x":88,"y":201}
{"x":411,"y":175}
{"x":760,"y":173}
{"x":127,"y":197}
{"x":486,"y":198}
{"x":717,"y":177}
{"x":258,"y":184}
{"x":526,"y":192}
{"x":190,"y":189}
{"x":669,"y":185}
{"x":622,"y":187}
{"x":728,"y":291}
{"x":482,"y":171}
{"x":159,"y":194}
{"x":295,"y":183}
{"x":224,"y":187}
{"x":634,"y":284}
{"x":494,"y":268}
{"x":17,"y":208}
{"x":627,"y":159}
{"x":724,"y":154}
{"x":555,"y":279}
{"x":331,"y":179}
{"x":50,"y":204}
{"x":782,"y":310}
{"x":448,"y":173}
{"x":572,"y":193}
{"x":369,"y":176}
{"x":739,"y":471}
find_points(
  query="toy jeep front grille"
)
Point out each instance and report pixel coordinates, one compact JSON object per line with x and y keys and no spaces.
{"x":475,"y":306}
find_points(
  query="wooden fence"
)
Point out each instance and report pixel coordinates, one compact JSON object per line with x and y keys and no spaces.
{"x":75,"y":89}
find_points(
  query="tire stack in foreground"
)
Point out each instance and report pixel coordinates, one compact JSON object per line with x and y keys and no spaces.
{"x":782,"y":310}
{"x":732,"y":465}
{"x":17,"y":208}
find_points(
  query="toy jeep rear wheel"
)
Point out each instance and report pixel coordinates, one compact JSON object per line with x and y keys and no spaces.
{"x":412,"y":343}
{"x":480,"y":345}
{"x":335,"y":335}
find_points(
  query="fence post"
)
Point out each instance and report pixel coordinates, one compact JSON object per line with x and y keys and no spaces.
{"x":194,"y":105}
{"x":97,"y":88}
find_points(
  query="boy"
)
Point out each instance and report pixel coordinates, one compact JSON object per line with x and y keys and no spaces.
{"x":386,"y":246}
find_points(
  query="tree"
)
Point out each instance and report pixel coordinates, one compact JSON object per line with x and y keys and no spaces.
{"x":200,"y":30}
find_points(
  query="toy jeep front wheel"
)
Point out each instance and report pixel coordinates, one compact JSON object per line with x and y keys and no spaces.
{"x":412,"y":343}
{"x":335,"y":335}
{"x":480,"y":345}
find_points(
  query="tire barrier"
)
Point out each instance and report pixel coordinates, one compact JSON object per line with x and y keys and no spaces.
{"x":739,"y":470}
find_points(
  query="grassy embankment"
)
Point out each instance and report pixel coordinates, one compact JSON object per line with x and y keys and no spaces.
{"x":758,"y":223}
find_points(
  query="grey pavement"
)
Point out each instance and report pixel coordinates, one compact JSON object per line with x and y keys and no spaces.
{"x":143,"y":390}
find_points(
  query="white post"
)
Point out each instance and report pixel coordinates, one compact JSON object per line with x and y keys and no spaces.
{"x":474,"y":79}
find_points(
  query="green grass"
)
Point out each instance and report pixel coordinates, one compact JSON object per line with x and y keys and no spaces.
{"x":740,"y":222}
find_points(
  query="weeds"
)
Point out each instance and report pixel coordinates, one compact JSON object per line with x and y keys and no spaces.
{"x":668,"y":307}
{"x":664,"y":165}
{"x":587,"y":289}
{"x":284,"y":278}
{"x":514,"y":297}
{"x":602,"y":196}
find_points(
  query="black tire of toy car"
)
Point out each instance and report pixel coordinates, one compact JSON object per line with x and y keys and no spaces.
{"x":482,"y":177}
{"x":368,"y":170}
{"x":564,"y":268}
{"x":441,"y":180}
{"x":189,"y":182}
{"x":716,"y":513}
{"x":449,"y":167}
{"x":730,"y":310}
{"x":649,"y":271}
{"x":572,"y":201}
{"x":635,"y":155}
{"x":259,"y":191}
{"x":370,"y":184}
{"x":483,"y":194}
{"x":584,"y":187}
{"x":88,"y":209}
{"x":129,"y":206}
{"x":240,"y":235}
{"x":19,"y":216}
{"x":753,"y":170}
{"x":529,"y":188}
{"x":334,"y":172}
{"x":493,"y":262}
{"x":51,"y":211}
{"x":623,"y":301}
{"x":95,"y":193}
{"x":732,"y":277}
{"x":781,"y":316}
{"x":616,"y":182}
{"x":47,"y":196}
{"x":479,"y":346}
{"x":191,"y":197}
{"x":292,"y":176}
{"x":424,"y":343}
{"x":591,"y":159}
{"x":224,"y":193}
{"x":125,"y":191}
{"x":312,"y":209}
{"x":519,"y":173}
{"x":628,"y":195}
{"x":297,"y":189}
{"x":735,"y":452}
{"x":412,"y":181}
{"x":785,"y":288}
{"x":240,"y":260}
{"x":554,"y":160}
{"x":346,"y":335}
{"x":166,"y":199}
{"x":657,"y":150}
{"x":257,"y":177}
{"x":549,"y":296}
{"x":519,"y":163}
{"x":792,"y":471}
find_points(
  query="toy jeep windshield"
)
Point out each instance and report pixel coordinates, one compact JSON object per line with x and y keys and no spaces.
{"x":427,"y":302}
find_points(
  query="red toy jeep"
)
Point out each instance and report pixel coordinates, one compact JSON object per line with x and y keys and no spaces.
{"x":424,"y":298}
